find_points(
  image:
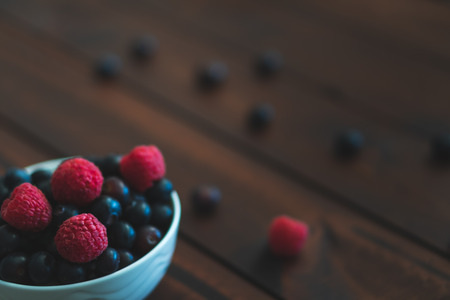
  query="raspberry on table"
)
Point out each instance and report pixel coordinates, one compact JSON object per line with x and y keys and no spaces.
{"x":287,"y":236}
{"x":27,"y":209}
{"x":76,"y":181}
{"x":142,"y":166}
{"x":81,"y":238}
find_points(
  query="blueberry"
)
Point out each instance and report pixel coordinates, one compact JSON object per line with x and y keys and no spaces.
{"x":15,"y":177}
{"x":107,"y":262}
{"x":162,"y":215}
{"x":268,"y":63}
{"x":126,"y":258}
{"x":160,"y":192}
{"x":440,"y":147}
{"x":67,"y":272}
{"x":147,"y":238}
{"x":41,"y":267}
{"x":4,"y":192}
{"x":213,"y":75}
{"x":13,"y":268}
{"x":62,"y":212}
{"x":10,"y":239}
{"x":107,"y":210}
{"x":205,"y":198}
{"x":109,"y":66}
{"x":46,"y":188}
{"x":137,"y":213}
{"x":349,"y":144}
{"x":145,"y":47}
{"x":40,"y":176}
{"x":260,"y":117}
{"x":117,"y":189}
{"x":121,"y":235}
{"x":110,"y":165}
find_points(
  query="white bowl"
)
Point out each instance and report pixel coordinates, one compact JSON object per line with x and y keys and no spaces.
{"x":135,"y":281}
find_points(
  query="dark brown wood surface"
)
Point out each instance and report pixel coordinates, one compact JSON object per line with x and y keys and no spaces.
{"x":379,"y":225}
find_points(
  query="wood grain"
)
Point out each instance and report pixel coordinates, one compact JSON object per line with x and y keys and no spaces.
{"x":346,"y":255}
{"x":390,"y":180}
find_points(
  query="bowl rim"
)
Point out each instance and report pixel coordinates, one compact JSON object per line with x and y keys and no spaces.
{"x":172,"y":232}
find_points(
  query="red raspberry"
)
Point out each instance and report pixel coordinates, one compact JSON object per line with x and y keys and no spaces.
{"x":142,"y":166}
{"x":81,"y":238}
{"x":76,"y":181}
{"x":287,"y":236}
{"x":27,"y":209}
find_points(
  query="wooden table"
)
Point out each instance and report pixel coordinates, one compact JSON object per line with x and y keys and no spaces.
{"x":380,"y":223}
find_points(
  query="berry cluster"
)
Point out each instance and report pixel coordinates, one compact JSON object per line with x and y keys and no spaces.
{"x":87,"y":219}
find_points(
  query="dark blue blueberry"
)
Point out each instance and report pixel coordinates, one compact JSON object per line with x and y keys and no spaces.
{"x":46,"y":188}
{"x":13,"y":268}
{"x":126,"y":258}
{"x":162,"y":215}
{"x":440,"y":147}
{"x":107,"y":262}
{"x":109,"y":66}
{"x":107,"y":210}
{"x":145,"y":47}
{"x":10,"y":240}
{"x":62,"y":212}
{"x":137,"y":213}
{"x":121,"y":235}
{"x":4,"y":192}
{"x":67,"y":272}
{"x":269,"y":63}
{"x":15,"y":177}
{"x":213,"y":75}
{"x":42,"y":268}
{"x":110,"y":165}
{"x":40,"y":176}
{"x":115,"y":187}
{"x":349,"y":144}
{"x":261,"y":117}
{"x":160,"y":192}
{"x":206,"y":198}
{"x":147,"y":238}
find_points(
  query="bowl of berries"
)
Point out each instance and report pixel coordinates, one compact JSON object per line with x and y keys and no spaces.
{"x":87,"y":228}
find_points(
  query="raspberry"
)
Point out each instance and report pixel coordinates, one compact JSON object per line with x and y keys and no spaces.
{"x":142,"y":166}
{"x":287,"y":236}
{"x":76,"y":181}
{"x":27,"y":209}
{"x":81,"y":238}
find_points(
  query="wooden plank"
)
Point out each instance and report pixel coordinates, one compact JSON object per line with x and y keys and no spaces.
{"x":346,"y":256}
{"x":391,"y":179}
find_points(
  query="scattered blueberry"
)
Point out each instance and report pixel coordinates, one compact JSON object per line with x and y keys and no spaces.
{"x":62,"y":212}
{"x":13,"y":268}
{"x":440,"y":147}
{"x":349,"y":144}
{"x":269,"y":63}
{"x":147,"y":238}
{"x":41,"y":268}
{"x":109,"y":66}
{"x":46,"y":188}
{"x":260,"y":117}
{"x":161,"y":216}
{"x":145,"y":47}
{"x":137,"y":213}
{"x":107,"y":210}
{"x":205,"y":198}
{"x":126,"y":258}
{"x":107,"y":262}
{"x":121,"y":235}
{"x":160,"y":192}
{"x":40,"y":176}
{"x":4,"y":192}
{"x":67,"y":272}
{"x":213,"y":75}
{"x":117,"y":189}
{"x":10,"y":239}
{"x":15,"y":177}
{"x":109,"y":165}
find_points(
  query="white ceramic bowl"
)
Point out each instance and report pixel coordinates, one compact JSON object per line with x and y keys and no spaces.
{"x":135,"y":281}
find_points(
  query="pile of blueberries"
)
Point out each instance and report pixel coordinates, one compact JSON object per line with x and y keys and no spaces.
{"x":135,"y":222}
